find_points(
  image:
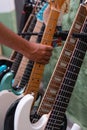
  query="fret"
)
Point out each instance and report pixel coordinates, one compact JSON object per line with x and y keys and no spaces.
{"x":76,"y":61}
{"x":67,"y":92}
{"x":65,"y":87}
{"x":58,"y":67}
{"x":73,"y":68}
{"x":57,"y":79}
{"x":54,"y":120}
{"x":58,"y":116}
{"x":79,"y":53}
{"x":58,"y":73}
{"x":20,"y":71}
{"x":16,"y":63}
{"x":69,"y":46}
{"x":71,"y":75}
{"x":77,"y":26}
{"x":63,"y":64}
{"x":75,"y":30}
{"x":77,"y":58}
{"x":65,"y":58}
{"x":51,"y":128}
{"x":72,"y":40}
{"x":44,"y":110}
{"x":54,"y":84}
{"x":81,"y":45}
{"x":46,"y":105}
{"x":59,"y":112}
{"x":70,"y":82}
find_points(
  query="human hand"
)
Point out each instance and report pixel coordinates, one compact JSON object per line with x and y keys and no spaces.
{"x":40,"y":53}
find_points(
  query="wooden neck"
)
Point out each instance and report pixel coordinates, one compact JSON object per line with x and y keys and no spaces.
{"x":29,"y":64}
{"x":71,"y":62}
{"x":61,"y":66}
{"x":19,"y":56}
{"x":37,"y":72}
{"x":24,"y":59}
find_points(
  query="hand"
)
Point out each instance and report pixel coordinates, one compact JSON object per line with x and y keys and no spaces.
{"x":41,"y":53}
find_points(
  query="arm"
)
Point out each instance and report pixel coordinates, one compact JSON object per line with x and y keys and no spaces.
{"x":37,"y":52}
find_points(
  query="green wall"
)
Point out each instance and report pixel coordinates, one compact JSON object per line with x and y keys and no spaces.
{"x":9,"y":19}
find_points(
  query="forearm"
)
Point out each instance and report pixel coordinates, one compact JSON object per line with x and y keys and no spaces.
{"x":12,"y":40}
{"x":36,"y":52}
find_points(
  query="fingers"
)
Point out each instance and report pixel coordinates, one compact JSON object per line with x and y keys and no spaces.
{"x":44,"y":60}
{"x":49,"y":48}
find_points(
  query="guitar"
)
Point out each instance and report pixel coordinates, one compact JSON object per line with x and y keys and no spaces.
{"x":10,"y":97}
{"x":2,"y":68}
{"x":51,"y":30}
{"x":5,"y":65}
{"x":69,"y":64}
{"x":26,"y":61}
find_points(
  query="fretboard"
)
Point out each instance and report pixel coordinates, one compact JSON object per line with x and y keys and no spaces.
{"x":37,"y":72}
{"x":27,"y":72}
{"x":70,"y":61}
{"x":19,"y":56}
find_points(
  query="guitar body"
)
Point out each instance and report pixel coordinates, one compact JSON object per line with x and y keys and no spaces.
{"x":6,"y":99}
{"x":5,"y":65}
{"x":6,"y":82}
{"x":2,"y":68}
{"x":22,"y":120}
{"x":4,"y":61}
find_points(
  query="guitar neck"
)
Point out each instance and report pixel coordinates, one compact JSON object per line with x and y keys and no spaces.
{"x":20,"y":71}
{"x":62,"y":63}
{"x":28,"y":68}
{"x":24,"y":72}
{"x":19,"y":56}
{"x":37,"y":72}
{"x":72,"y":64}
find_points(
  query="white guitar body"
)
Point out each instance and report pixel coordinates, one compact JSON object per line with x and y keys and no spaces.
{"x":22,"y":120}
{"x":6,"y":99}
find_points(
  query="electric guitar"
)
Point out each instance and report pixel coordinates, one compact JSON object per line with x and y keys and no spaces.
{"x":8,"y":96}
{"x":51,"y":32}
{"x":68,"y":66}
{"x":5,"y":65}
{"x":38,"y":68}
{"x":25,"y":61}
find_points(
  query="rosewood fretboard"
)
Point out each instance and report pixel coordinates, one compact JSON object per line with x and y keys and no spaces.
{"x":70,"y":62}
